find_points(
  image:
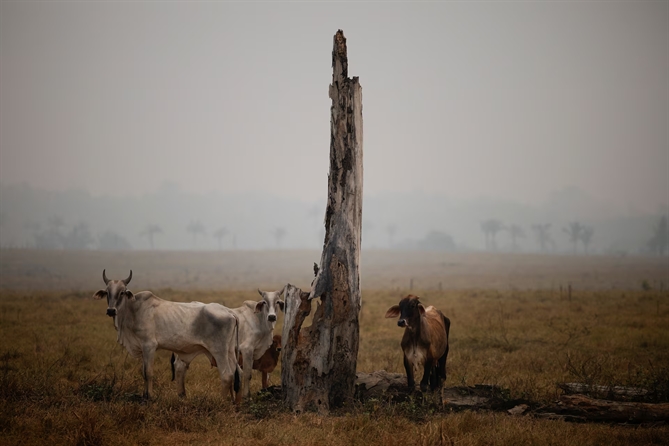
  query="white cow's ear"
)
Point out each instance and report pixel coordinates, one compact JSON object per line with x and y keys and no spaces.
{"x":259,"y":306}
{"x":280,"y":304}
{"x":393,"y":311}
{"x":100,"y":294}
{"x":129,"y":295}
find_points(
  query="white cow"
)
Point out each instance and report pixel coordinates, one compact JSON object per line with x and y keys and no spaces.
{"x":146,"y":323}
{"x":256,"y":331}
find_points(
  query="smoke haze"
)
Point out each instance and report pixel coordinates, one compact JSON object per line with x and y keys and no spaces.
{"x":471,"y":111}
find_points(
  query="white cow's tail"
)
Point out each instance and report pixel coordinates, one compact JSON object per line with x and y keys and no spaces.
{"x":238,"y":369}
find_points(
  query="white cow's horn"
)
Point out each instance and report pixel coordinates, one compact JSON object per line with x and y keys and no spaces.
{"x":127,"y":281}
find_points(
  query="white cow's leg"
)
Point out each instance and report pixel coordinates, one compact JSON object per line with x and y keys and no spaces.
{"x":180,"y":369}
{"x":247,"y":356}
{"x":226,"y":373}
{"x":147,"y":355}
{"x":227,"y":367}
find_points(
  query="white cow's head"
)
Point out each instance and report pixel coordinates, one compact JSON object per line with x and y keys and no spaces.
{"x":270,"y":304}
{"x":116,"y":293}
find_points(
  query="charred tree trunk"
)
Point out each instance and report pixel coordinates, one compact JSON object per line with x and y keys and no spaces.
{"x":319,"y":362}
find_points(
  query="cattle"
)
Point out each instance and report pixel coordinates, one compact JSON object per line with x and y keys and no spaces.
{"x":146,"y":323}
{"x":268,"y":361}
{"x":256,"y":326}
{"x":266,"y":364}
{"x":425,"y":341}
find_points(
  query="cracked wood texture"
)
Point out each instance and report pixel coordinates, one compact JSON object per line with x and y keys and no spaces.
{"x":319,"y":362}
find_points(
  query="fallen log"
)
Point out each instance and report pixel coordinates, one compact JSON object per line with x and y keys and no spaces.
{"x":392,"y":387}
{"x":605,"y":392}
{"x":583,"y":408}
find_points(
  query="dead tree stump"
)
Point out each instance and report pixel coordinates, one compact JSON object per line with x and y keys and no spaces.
{"x":319,"y":363}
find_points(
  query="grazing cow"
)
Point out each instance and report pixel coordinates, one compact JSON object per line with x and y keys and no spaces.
{"x":267,"y":362}
{"x":146,"y":323}
{"x":425,"y":341}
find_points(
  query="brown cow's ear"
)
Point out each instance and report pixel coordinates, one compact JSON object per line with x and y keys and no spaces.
{"x":259,"y":306}
{"x":421,"y":308}
{"x":281,"y":304}
{"x":100,"y":294}
{"x":393,"y":311}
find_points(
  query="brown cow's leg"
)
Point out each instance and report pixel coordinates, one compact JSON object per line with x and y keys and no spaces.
{"x":408,"y":367}
{"x":264,"y":380}
{"x":435,"y":378}
{"x":427,"y":369}
{"x":441,"y":368}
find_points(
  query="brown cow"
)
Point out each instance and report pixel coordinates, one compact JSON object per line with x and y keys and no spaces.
{"x":425,"y":341}
{"x":267,"y":362}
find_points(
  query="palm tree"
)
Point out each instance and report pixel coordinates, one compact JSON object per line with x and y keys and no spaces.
{"x":516,"y":232}
{"x":490,"y":228}
{"x":195,"y":228}
{"x":149,"y":231}
{"x":279,"y":233}
{"x":586,"y":237}
{"x":542,"y":232}
{"x":574,"y":230}
{"x":219,"y":234}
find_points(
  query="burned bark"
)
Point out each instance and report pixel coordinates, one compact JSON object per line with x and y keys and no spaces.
{"x":319,"y":363}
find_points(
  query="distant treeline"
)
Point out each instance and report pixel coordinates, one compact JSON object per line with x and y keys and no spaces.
{"x":173,"y":219}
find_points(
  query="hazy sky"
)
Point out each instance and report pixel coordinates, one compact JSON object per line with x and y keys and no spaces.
{"x":502,"y":99}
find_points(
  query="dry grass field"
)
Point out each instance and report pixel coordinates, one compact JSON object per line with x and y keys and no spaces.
{"x":65,"y":380}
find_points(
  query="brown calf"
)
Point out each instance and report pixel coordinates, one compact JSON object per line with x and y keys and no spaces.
{"x":425,"y":341}
{"x":267,"y":362}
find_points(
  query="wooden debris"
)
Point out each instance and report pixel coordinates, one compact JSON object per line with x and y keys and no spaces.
{"x":518,"y":410}
{"x":583,"y":408}
{"x":607,"y":392}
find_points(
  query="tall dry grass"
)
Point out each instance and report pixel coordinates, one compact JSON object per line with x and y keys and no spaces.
{"x":64,"y":379}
